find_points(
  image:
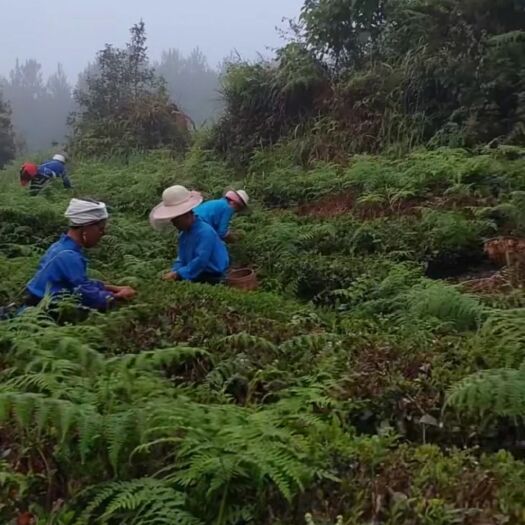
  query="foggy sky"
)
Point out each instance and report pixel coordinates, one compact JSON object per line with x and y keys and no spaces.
{"x":72,"y":31}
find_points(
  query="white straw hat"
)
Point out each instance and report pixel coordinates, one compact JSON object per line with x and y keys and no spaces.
{"x":176,"y":201}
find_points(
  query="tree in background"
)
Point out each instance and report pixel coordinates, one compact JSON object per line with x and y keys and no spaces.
{"x":371,"y":75}
{"x":123,"y":105}
{"x":7,"y":142}
{"x":39,"y":108}
{"x":192,"y":83}
{"x":59,"y":105}
{"x":342,"y":32}
{"x":25,"y":91}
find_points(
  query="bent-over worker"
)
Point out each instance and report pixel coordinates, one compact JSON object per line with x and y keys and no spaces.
{"x":219,"y":212}
{"x":202,"y":255}
{"x":51,"y":169}
{"x":63,"y":268}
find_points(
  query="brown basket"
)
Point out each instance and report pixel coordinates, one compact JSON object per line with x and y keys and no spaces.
{"x":242,"y":278}
{"x":506,"y":251}
{"x":496,"y":283}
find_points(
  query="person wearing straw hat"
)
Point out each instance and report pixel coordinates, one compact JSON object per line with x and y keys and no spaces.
{"x":63,"y":268}
{"x":219,"y":212}
{"x":202,"y":255}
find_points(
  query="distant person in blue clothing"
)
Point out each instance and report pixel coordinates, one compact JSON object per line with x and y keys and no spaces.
{"x":219,"y":212}
{"x":49,"y":170}
{"x":202,"y":255}
{"x":63,"y":268}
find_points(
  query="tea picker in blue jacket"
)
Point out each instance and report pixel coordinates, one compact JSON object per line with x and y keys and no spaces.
{"x":49,"y":170}
{"x":219,"y":212}
{"x":202,"y":255}
{"x":63,"y":268}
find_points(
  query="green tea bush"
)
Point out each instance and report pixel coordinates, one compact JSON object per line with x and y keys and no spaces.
{"x":201,"y":404}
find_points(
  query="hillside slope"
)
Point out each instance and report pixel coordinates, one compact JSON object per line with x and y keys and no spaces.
{"x":361,"y":380}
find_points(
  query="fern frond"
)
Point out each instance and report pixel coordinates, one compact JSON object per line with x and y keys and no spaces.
{"x":23,"y":406}
{"x":89,"y":429}
{"x":310,"y":343}
{"x":143,"y":501}
{"x":505,"y":329}
{"x":156,"y":358}
{"x":246,"y":342}
{"x":497,"y":392}
{"x":120,"y":431}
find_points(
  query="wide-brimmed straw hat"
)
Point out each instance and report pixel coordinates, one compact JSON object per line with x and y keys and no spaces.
{"x":176,"y":201}
{"x":239,"y":196}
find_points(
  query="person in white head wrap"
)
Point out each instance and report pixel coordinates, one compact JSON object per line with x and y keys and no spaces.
{"x":49,"y":170}
{"x":81,"y":212}
{"x":63,"y":268}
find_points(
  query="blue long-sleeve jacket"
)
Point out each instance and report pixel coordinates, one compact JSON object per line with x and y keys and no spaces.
{"x":200,"y":251}
{"x":63,"y":269}
{"x":54,"y":169}
{"x":217,"y":213}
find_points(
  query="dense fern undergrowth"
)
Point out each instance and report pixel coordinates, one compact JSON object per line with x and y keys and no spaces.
{"x":364,"y":379}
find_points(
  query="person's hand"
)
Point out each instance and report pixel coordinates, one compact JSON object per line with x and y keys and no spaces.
{"x":240,"y":235}
{"x":113,"y":288}
{"x":235,"y":236}
{"x":170,"y":276}
{"x":125,"y":292}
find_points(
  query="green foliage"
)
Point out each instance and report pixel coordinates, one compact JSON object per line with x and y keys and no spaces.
{"x":451,"y":233}
{"x":125,"y":107}
{"x":138,"y":502}
{"x":7,"y":142}
{"x":371,"y":75}
{"x":495,"y":392}
{"x":203,"y":404}
{"x":329,"y":34}
{"x":444,"y":303}
{"x":265,"y":101}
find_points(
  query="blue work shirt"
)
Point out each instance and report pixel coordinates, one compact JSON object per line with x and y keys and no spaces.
{"x":200,"y":251}
{"x":54,"y":169}
{"x":217,"y":213}
{"x":63,"y":269}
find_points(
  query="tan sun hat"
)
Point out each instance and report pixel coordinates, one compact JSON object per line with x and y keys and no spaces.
{"x":176,"y":201}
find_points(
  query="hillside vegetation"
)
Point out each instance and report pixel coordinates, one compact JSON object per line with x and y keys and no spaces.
{"x":350,"y":384}
{"x":378,"y":373}
{"x":374,"y":75}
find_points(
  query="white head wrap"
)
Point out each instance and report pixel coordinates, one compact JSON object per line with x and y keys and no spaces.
{"x":81,"y":212}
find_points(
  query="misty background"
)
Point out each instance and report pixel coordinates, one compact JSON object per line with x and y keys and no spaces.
{"x":188,"y":42}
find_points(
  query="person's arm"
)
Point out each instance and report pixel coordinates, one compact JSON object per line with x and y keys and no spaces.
{"x":176,"y":265}
{"x":120,"y":292}
{"x":62,"y":173}
{"x":172,"y":274}
{"x":93,"y":293}
{"x":66,"y":181}
{"x":224,"y":223}
{"x":198,"y":264}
